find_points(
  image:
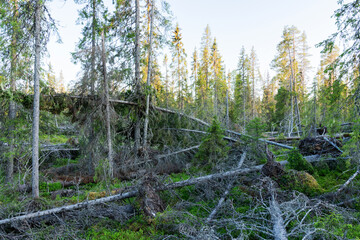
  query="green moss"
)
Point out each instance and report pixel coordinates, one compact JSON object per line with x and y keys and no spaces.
{"x":300,"y":181}
{"x":298,"y":162}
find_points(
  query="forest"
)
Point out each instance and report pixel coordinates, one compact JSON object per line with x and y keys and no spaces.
{"x":144,"y":145}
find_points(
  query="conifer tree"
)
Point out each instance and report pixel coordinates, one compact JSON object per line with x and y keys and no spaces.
{"x":179,"y":67}
{"x":203,"y":94}
{"x":218,"y":80}
{"x":242,"y":90}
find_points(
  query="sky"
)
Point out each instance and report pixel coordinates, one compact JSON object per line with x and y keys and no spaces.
{"x":234,"y":23}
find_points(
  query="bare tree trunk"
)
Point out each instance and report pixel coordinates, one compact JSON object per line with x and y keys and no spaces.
{"x":148,"y":80}
{"x":227,"y":109}
{"x":93,"y":42}
{"x":36,"y":110}
{"x":279,"y":229}
{"x":107,"y":102}
{"x":12,"y":104}
{"x":137,"y":73}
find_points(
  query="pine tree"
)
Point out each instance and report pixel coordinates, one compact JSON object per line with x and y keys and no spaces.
{"x":291,"y":65}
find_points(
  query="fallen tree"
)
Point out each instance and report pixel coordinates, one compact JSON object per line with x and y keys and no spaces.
{"x":135,"y":192}
{"x":237,"y":134}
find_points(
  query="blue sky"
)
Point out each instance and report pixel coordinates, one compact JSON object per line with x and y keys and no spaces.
{"x":234,"y":23}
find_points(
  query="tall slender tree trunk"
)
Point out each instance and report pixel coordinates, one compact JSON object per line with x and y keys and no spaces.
{"x":107,"y":103}
{"x":137,"y":74}
{"x":91,"y":160}
{"x":36,"y":110}
{"x":12,"y":104}
{"x":227,"y":109}
{"x":244,"y":97}
{"x":148,"y":80}
{"x":93,"y":43}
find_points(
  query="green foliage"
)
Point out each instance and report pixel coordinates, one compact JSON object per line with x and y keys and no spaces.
{"x":281,"y":107}
{"x":50,"y":187}
{"x":213,"y":147}
{"x":53,"y":138}
{"x":298,"y":162}
{"x":102,"y":171}
{"x":59,"y":162}
{"x":336,"y":226}
{"x":106,"y":234}
{"x":255,"y":128}
{"x":352,"y":147}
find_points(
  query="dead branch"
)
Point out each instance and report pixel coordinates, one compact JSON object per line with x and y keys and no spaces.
{"x":333,"y":144}
{"x":261,"y":140}
{"x":202,"y":132}
{"x":348,"y":181}
{"x":134,"y":193}
{"x":227,"y":191}
{"x":177,"y":152}
{"x":71,"y":207}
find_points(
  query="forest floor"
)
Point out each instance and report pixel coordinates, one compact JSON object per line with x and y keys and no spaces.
{"x":309,"y":202}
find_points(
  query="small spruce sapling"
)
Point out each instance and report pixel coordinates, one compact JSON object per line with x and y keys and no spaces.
{"x":213,"y":147}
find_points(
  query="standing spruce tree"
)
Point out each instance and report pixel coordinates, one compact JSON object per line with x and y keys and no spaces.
{"x":213,"y":147}
{"x":348,"y":63}
{"x":10,"y":34}
{"x":268,"y":102}
{"x":88,"y":54}
{"x":179,"y":66}
{"x":203,"y":93}
{"x":242,"y":90}
{"x":195,"y":65}
{"x":218,"y":80}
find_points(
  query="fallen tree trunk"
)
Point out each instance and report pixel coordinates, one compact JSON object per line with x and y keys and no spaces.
{"x":279,"y":229}
{"x":227,"y":191}
{"x":71,"y":207}
{"x":177,"y":152}
{"x":202,"y":132}
{"x":261,"y":140}
{"x":134,"y":193}
{"x":333,"y":144}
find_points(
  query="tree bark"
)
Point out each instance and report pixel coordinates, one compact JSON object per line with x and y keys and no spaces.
{"x":148,"y":80}
{"x":36,"y":109}
{"x":279,"y":229}
{"x":107,"y":103}
{"x":93,"y":43}
{"x":137,"y":74}
{"x":12,"y":104}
